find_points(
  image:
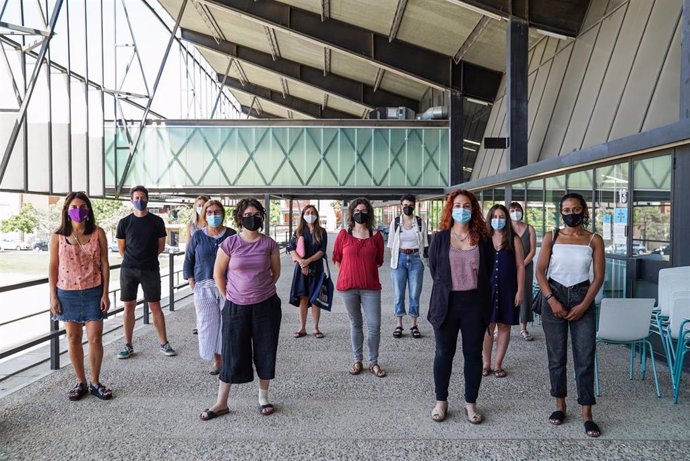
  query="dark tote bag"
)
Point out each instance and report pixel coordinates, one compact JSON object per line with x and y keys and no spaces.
{"x":538,"y":300}
{"x":323,"y":295}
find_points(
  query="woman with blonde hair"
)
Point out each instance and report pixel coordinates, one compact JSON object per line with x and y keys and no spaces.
{"x":308,"y":248}
{"x":198,"y":270}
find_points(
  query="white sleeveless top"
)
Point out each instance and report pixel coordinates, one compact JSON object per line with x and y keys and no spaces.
{"x":570,"y":264}
{"x":408,"y":238}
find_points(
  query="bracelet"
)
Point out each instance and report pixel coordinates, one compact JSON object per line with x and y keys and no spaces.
{"x":547,"y":297}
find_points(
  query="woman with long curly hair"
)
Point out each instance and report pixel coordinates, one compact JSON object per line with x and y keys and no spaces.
{"x":460,"y":265}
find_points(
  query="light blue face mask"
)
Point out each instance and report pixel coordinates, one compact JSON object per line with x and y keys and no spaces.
{"x":498,"y":223}
{"x":199,"y":209}
{"x":461,"y":215}
{"x":214,"y":220}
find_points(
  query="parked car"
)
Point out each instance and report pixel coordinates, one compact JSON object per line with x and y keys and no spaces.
{"x":40,"y":245}
{"x":637,"y":249}
{"x":171,"y":249}
{"x":9,"y":244}
{"x":663,"y":250}
{"x":113,"y":247}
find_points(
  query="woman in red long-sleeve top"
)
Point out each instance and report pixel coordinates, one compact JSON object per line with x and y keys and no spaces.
{"x":358,"y":253}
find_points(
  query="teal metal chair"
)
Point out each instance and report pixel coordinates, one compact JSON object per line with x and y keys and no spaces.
{"x":627,"y":321}
{"x":671,"y":280}
{"x":678,"y":331}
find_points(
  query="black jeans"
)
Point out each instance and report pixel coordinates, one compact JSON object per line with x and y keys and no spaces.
{"x":583,"y":338}
{"x":464,"y":314}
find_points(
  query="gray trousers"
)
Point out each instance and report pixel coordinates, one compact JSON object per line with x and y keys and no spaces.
{"x":368,"y":301}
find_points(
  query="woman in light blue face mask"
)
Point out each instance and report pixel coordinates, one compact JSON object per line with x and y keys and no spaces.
{"x":507,"y":284}
{"x":307,"y":248}
{"x":460,"y":266}
{"x":198,"y":270}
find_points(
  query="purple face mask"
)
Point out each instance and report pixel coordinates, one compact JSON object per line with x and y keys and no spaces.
{"x":78,"y":214}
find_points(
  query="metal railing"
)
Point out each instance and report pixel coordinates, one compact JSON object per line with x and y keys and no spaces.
{"x":55,"y":332}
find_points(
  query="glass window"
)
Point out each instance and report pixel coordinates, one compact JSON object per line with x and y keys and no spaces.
{"x":553,"y":191}
{"x":581,"y":183}
{"x":612,"y":206}
{"x":651,"y":226}
{"x":519,"y":194}
{"x":534,"y":209}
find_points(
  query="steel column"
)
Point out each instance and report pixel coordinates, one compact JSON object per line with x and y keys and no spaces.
{"x":517,"y":43}
{"x":54,"y":346}
{"x":680,"y":204}
{"x":455,"y":141}
{"x":267,"y":208}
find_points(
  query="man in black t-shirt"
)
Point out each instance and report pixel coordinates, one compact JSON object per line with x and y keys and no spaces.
{"x":140,"y":239}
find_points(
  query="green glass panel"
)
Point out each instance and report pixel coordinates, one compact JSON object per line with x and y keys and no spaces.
{"x":280,"y":156}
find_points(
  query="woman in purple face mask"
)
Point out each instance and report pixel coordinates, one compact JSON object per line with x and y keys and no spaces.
{"x":78,"y":277}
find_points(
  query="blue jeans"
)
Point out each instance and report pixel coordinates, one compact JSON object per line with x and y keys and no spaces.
{"x":368,"y":301}
{"x":410,"y":272}
{"x":583,"y":338}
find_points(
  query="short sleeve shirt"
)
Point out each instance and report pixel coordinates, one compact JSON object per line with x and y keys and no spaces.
{"x":249,"y":278}
{"x":141,"y":240}
{"x":359,"y":261}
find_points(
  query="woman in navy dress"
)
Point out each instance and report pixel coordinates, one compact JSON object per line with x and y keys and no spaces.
{"x":507,"y":284}
{"x":308,"y":247}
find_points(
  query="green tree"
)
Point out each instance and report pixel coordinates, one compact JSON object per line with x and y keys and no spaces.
{"x":108,"y":213}
{"x":25,"y":221}
{"x":275,"y":212}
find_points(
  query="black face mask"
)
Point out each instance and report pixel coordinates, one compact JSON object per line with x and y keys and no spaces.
{"x":573,"y":219}
{"x":408,"y":210}
{"x":361,"y":218}
{"x":252,"y":223}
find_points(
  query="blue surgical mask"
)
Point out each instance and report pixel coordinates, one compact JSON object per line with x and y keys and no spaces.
{"x":199,"y":209}
{"x":461,"y":215}
{"x":498,"y":223}
{"x":214,"y":220}
{"x":140,"y":204}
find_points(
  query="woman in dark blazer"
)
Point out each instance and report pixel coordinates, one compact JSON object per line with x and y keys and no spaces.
{"x":460,"y":265}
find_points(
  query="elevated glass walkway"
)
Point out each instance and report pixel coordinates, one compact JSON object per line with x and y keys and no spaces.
{"x":198,"y":155}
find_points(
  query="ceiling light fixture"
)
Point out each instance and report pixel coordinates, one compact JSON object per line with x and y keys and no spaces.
{"x":554,"y":35}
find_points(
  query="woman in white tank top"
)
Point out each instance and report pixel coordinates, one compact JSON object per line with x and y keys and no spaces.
{"x":569,"y":305}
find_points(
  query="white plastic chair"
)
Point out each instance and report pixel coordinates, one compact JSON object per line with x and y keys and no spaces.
{"x":679,"y":331}
{"x":671,"y":280}
{"x":627,"y":321}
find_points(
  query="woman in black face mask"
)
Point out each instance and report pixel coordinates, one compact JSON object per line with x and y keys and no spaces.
{"x":569,"y":305}
{"x":407,"y":240}
{"x":246,"y":270}
{"x":358,"y":254}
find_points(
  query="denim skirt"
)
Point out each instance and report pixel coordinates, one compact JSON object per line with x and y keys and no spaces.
{"x":80,"y":305}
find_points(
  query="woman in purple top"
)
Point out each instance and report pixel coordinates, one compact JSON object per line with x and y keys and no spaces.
{"x":246,"y":270}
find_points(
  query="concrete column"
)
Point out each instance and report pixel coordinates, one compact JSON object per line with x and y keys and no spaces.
{"x":685,"y":62}
{"x":517,"y":42}
{"x":456,"y":138}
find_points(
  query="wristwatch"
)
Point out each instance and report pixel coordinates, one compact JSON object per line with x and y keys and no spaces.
{"x":547,"y":297}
